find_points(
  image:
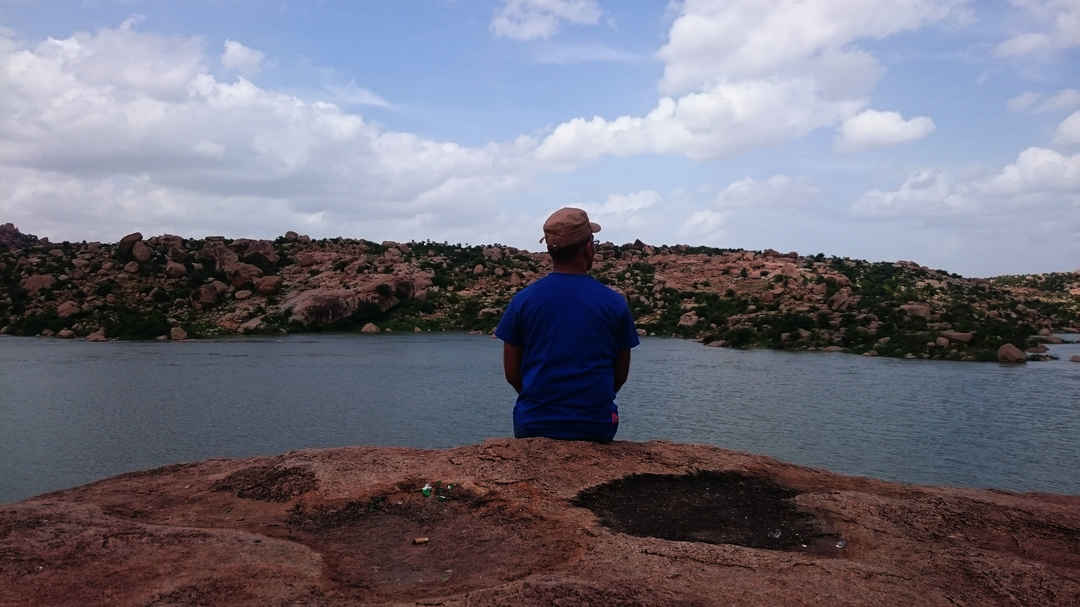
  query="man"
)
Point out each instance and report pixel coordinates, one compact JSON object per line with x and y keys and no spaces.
{"x":567,"y":341}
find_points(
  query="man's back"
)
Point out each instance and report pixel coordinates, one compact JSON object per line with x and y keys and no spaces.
{"x":570,"y":329}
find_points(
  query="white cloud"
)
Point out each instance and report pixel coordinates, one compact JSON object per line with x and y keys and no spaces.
{"x":1059,"y":21}
{"x":135,"y":128}
{"x":715,"y":40}
{"x":778,"y":191}
{"x":926,"y":193}
{"x":730,"y":86}
{"x":241,"y":59}
{"x":871,"y":128}
{"x":1063,"y":100}
{"x":702,"y":125}
{"x":1068,"y":132}
{"x":706,"y":224}
{"x":532,"y":19}
{"x":1040,"y":183}
{"x":1023,"y":101}
{"x":352,"y":94}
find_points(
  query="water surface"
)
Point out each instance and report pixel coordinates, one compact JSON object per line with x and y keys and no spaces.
{"x":72,"y":412}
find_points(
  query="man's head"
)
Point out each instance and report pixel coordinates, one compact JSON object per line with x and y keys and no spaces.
{"x":569,"y":236}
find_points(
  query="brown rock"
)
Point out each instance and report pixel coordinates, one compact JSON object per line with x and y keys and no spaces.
{"x":1009,"y":353}
{"x":211,"y":533}
{"x":98,"y":335}
{"x":242,"y":274}
{"x":689,"y":319}
{"x":140,"y":252}
{"x":131,"y":267}
{"x":370,"y":328}
{"x":242,"y":295}
{"x":259,"y":253}
{"x":175,"y":270}
{"x":268,"y":285}
{"x":206,"y":295}
{"x":127,"y":243}
{"x":319,"y":307}
{"x":47,"y":333}
{"x":67,"y":309}
{"x":177,"y":334}
{"x":37,"y":282}
{"x":253,"y":325}
{"x":959,"y":336}
{"x":66,"y":333}
{"x":942,"y":342}
{"x":921,"y":310}
{"x":221,"y":256}
{"x":833,"y":349}
{"x":1039,"y":349}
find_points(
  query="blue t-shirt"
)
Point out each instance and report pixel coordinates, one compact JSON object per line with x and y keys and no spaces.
{"x":570,"y":328}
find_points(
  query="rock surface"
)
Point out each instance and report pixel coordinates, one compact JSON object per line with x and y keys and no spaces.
{"x":351,"y":526}
{"x":1009,"y":353}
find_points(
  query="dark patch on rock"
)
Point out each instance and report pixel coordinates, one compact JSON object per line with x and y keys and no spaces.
{"x":709,"y":507}
{"x":268,"y":483}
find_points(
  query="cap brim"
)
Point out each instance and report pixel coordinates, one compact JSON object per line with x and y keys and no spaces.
{"x":595,"y":227}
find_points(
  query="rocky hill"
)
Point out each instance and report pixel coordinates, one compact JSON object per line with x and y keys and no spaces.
{"x":170,"y":287}
{"x":533,"y":522}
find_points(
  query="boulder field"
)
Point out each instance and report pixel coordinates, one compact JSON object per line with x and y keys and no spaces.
{"x":533,"y":522}
{"x":143,"y":288}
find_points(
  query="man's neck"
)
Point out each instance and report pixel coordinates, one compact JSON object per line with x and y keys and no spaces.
{"x":571,"y":268}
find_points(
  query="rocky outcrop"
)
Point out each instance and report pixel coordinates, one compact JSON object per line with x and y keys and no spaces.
{"x":12,"y":238}
{"x":320,"y":307}
{"x":67,"y":309}
{"x":140,"y":252}
{"x":35,"y":283}
{"x":126,"y":244}
{"x":744,"y":299}
{"x":533,"y":522}
{"x":1009,"y":353}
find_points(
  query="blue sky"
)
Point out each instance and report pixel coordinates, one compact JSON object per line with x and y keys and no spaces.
{"x":941,"y":131}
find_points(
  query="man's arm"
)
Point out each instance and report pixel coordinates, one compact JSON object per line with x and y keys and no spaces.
{"x":622,"y":368}
{"x":512,"y":365}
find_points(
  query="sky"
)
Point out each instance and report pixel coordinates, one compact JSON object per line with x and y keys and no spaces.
{"x":945,"y":132}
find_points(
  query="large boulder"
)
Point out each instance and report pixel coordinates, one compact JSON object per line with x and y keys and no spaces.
{"x":175,"y":270}
{"x":37,"y":282}
{"x":98,"y":335}
{"x":370,"y":328}
{"x":216,"y":253}
{"x":1009,"y":353}
{"x":259,"y":253}
{"x":178,"y":334}
{"x":67,"y":309}
{"x":268,"y":285}
{"x":127,"y":243}
{"x":959,"y":336}
{"x":320,"y":307}
{"x":140,"y":252}
{"x":241,"y":274}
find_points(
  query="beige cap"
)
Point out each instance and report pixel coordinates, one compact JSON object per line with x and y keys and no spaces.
{"x":568,"y":226}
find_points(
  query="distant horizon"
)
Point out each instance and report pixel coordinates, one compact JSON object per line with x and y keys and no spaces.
{"x":945,"y":131}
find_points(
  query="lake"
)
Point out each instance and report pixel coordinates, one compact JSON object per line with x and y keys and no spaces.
{"x":72,"y":412}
